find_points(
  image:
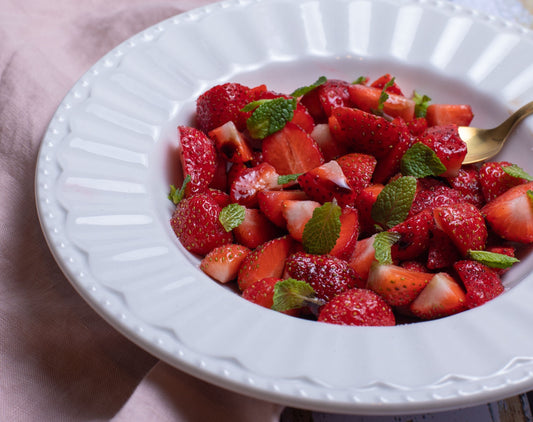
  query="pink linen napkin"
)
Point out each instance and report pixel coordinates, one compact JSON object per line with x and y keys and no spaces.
{"x":59,"y":361}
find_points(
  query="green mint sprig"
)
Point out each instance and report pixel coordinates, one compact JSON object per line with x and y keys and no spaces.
{"x":492,"y":259}
{"x":394,"y":202}
{"x":421,"y":161}
{"x":176,"y":195}
{"x":421,"y":104}
{"x":232,"y":216}
{"x":293,"y":294}
{"x":305,"y":89}
{"x":323,"y":229}
{"x":269,"y":116}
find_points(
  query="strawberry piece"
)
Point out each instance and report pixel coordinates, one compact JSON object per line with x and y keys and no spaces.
{"x":221,"y":104}
{"x":348,"y":234}
{"x":413,"y":265}
{"x":267,"y":260}
{"x":363,"y":256}
{"x":230,"y":143}
{"x":414,"y":232}
{"x":445,"y":114}
{"x":510,"y":215}
{"x":331,"y":149}
{"x":365,"y":132}
{"x":494,"y":180}
{"x":222,"y":263}
{"x":358,"y":169}
{"x":262,"y":293}
{"x":442,"y":252}
{"x":328,"y":275}
{"x":221,"y":198}
{"x":220,"y":178}
{"x":482,"y":283}
{"x":303,"y":118}
{"x":364,"y":202}
{"x":255,"y":229}
{"x":334,"y":93}
{"x":384,"y":80}
{"x":250,"y":181}
{"x":326,"y":182}
{"x":296,"y":214}
{"x":359,"y":307}
{"x":417,"y":126}
{"x":464,"y":224}
{"x":396,"y":285}
{"x":442,"y":297}
{"x":270,"y":203}
{"x":198,"y":158}
{"x":367,"y":98}
{"x":433,"y":196}
{"x":291,"y":150}
{"x":448,"y":145}
{"x":195,"y":223}
{"x":468,"y":184}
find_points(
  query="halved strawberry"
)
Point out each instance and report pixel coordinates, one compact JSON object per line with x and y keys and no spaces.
{"x":222,"y":263}
{"x":331,"y":149}
{"x":364,"y":202}
{"x":494,"y":180}
{"x":291,"y":150}
{"x":510,"y":215}
{"x":348,"y":234}
{"x":367,"y":98}
{"x":230,"y":143}
{"x":198,"y":158}
{"x":358,"y":169}
{"x":262,"y":293}
{"x":267,"y":260}
{"x":442,"y":297}
{"x":270,"y":203}
{"x":255,"y":229}
{"x":358,"y":307}
{"x":464,"y":224}
{"x":398,"y":286}
{"x":415,"y":233}
{"x":444,"y":114}
{"x":363,"y":256}
{"x":468,"y":184}
{"x":296,"y":214}
{"x":481,"y":282}
{"x":250,"y":181}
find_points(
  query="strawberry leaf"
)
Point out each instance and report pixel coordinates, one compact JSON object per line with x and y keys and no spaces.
{"x":382,"y":245}
{"x":492,"y":259}
{"x":323,"y":229}
{"x":287,"y":178}
{"x":232,"y":216}
{"x":515,"y":171}
{"x":305,"y":89}
{"x":421,"y":161}
{"x":292,"y":294}
{"x":421,"y":104}
{"x":269,"y":116}
{"x":394,"y":202}
{"x":176,"y":195}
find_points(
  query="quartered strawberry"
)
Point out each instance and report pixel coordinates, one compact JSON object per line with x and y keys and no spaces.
{"x":230,"y":143}
{"x":510,"y":215}
{"x":198,"y":158}
{"x":415,"y":233}
{"x":328,"y":275}
{"x":291,"y":150}
{"x":445,"y":114}
{"x":359,"y":307}
{"x":398,"y":286}
{"x":363,"y":256}
{"x":267,"y":260}
{"x":482,"y":283}
{"x":270,"y":203}
{"x":384,"y":80}
{"x":331,"y":149}
{"x":296,"y":214}
{"x":358,"y":169}
{"x":464,"y":224}
{"x":255,"y":229}
{"x":442,"y":297}
{"x":364,"y":202}
{"x":348,"y":234}
{"x":250,"y":181}
{"x":195,"y":223}
{"x":448,"y":145}
{"x":222,"y":263}
{"x":442,"y":252}
{"x":468,"y":184}
{"x":494,"y":180}
{"x":262,"y":293}
{"x":367,"y":98}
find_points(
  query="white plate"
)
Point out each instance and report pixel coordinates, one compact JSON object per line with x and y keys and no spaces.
{"x":106,"y":162}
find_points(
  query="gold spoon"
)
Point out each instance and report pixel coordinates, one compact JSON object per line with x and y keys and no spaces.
{"x":483,"y":144}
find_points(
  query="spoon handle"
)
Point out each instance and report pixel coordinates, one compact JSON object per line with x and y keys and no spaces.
{"x":516,"y":117}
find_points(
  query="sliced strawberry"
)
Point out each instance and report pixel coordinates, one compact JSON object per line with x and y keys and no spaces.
{"x":262,"y":293}
{"x":390,"y":164}
{"x":348,"y":234}
{"x":291,"y":150}
{"x":358,"y":169}
{"x":250,"y":181}
{"x":230,"y":143}
{"x":384,"y":80}
{"x":270,"y":203}
{"x":445,"y":114}
{"x":331,"y":149}
{"x":267,"y":260}
{"x":442,"y":252}
{"x":364,"y":202}
{"x":415,"y":232}
{"x":396,"y":285}
{"x":195,"y":223}
{"x":442,"y":297}
{"x":448,"y":145}
{"x":296,"y":214}
{"x":430,"y":196}
{"x":359,"y":307}
{"x":222,"y":263}
{"x":256,"y":229}
{"x":334,"y":93}
{"x":464,"y":224}
{"x":367,"y":98}
{"x":198,"y":158}
{"x":468,"y":184}
{"x":311,"y":101}
{"x":494,"y":180}
{"x":510,"y":215}
{"x":482,"y":283}
{"x":303,"y":118}
{"x":363,"y":256}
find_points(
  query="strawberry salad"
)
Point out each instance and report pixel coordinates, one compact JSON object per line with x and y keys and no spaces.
{"x":347,"y":202}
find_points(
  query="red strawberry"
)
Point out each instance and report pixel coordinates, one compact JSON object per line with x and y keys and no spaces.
{"x":494,"y":180}
{"x":270,"y":203}
{"x":433,"y":196}
{"x":329,"y":276}
{"x":221,"y":198}
{"x":384,"y":80}
{"x":364,"y":202}
{"x":442,"y":252}
{"x":250,"y":181}
{"x":503,"y":250}
{"x":195,"y":223}
{"x":256,"y":229}
{"x":303,"y":119}
{"x":220,"y":178}
{"x":464,"y":224}
{"x":390,"y":164}
{"x":417,"y":126}
{"x":330,"y":148}
{"x":291,"y":150}
{"x":467,"y":183}
{"x":357,"y":307}
{"x":482,"y":283}
{"x":444,"y":114}
{"x":262,"y":293}
{"x":442,"y":297}
{"x":414,"y":266}
{"x":267,"y":260}
{"x":198,"y":158}
{"x":222,"y":263}
{"x":334,"y":93}
{"x":230,"y":143}
{"x":396,"y":285}
{"x":297,"y":214}
{"x":367,"y":98}
{"x":363,"y":256}
{"x":358,"y":169}
{"x":510,"y":215}
{"x":414,"y":232}
{"x":348,"y":235}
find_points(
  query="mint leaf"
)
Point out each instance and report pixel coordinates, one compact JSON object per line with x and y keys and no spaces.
{"x":176,"y":195}
{"x":421,"y":161}
{"x":291,"y":294}
{"x":384,"y":96}
{"x":382,"y":245}
{"x":305,"y":89}
{"x":394,"y":202}
{"x":232,"y":216}
{"x":421,"y":104}
{"x":286,"y":178}
{"x":514,"y":171}
{"x":253,"y":105}
{"x":492,"y":259}
{"x":361,"y":80}
{"x":323,"y":229}
{"x":269,"y":116}
{"x":529,"y":194}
